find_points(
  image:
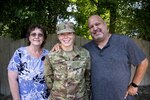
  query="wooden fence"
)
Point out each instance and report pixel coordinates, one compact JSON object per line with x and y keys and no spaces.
{"x":8,"y":46}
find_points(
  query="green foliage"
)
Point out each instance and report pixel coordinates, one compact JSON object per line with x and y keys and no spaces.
{"x":17,"y":15}
{"x":132,"y":18}
{"x":129,"y":17}
{"x":88,"y":7}
{"x":84,"y":11}
{"x":142,"y":17}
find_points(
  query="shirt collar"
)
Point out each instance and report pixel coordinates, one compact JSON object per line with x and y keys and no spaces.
{"x":107,"y":45}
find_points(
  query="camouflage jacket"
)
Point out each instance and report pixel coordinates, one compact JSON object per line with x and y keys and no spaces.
{"x":67,"y":74}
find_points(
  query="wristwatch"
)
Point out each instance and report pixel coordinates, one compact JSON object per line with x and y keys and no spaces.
{"x":134,"y":85}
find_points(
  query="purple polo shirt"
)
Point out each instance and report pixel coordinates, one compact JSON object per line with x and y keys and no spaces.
{"x":111,"y":67}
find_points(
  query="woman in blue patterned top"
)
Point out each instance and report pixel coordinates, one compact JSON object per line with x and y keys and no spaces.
{"x":25,"y":69}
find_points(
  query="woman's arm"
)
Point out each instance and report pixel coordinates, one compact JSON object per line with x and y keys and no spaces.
{"x":13,"y":83}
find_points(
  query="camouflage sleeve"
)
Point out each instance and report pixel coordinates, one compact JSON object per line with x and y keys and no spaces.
{"x":48,"y":73}
{"x":88,"y":77}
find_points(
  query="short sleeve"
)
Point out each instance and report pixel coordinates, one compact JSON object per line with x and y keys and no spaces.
{"x":14,"y":61}
{"x":136,"y":55}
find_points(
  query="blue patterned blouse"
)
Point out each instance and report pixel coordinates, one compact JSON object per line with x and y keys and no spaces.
{"x":31,"y":81}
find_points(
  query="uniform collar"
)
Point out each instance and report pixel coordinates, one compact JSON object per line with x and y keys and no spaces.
{"x":75,"y":53}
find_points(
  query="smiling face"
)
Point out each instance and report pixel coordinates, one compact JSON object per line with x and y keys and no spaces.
{"x":97,"y":28}
{"x":66,"y":39}
{"x":36,"y":32}
{"x":36,"y":37}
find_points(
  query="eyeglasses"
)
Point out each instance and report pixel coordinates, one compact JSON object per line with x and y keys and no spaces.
{"x":36,"y":34}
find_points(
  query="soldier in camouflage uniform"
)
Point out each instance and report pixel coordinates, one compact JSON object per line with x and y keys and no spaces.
{"x":67,"y":73}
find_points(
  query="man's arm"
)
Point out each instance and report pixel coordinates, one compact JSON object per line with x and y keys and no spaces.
{"x":140,"y":71}
{"x":13,"y":83}
{"x":138,"y":76}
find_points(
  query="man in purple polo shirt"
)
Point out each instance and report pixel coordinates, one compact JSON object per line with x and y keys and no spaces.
{"x":111,"y":58}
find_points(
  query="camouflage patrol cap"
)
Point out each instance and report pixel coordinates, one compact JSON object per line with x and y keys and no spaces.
{"x":65,"y":27}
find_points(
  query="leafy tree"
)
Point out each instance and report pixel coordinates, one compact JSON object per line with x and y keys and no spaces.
{"x":130,"y":17}
{"x":17,"y":15}
{"x":142,"y":22}
{"x":105,"y":8}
